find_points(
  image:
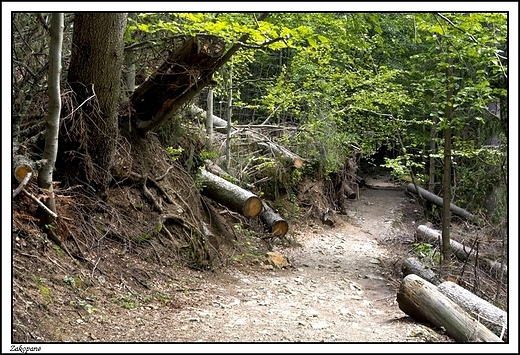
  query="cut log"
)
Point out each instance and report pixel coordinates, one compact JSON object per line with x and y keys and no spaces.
{"x":349,"y":193}
{"x":217,"y":170}
{"x":22,"y":166}
{"x":414,"y":266}
{"x":427,"y":234}
{"x":272,"y":220}
{"x":461,"y":251}
{"x":230,"y":195}
{"x":438,"y":201}
{"x":219,"y":124}
{"x":491,"y":316}
{"x":276,"y":149}
{"x":422,"y":301}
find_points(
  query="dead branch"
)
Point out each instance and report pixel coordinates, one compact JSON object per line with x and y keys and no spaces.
{"x":41,"y":204}
{"x":22,"y":184}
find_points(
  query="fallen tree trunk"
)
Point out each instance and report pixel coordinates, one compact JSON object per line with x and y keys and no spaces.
{"x":422,"y":301}
{"x":219,"y":124}
{"x":186,"y":71}
{"x":414,"y":266}
{"x":182,"y":75}
{"x":438,"y":201}
{"x":230,"y":195}
{"x":491,"y":316}
{"x":276,"y":149}
{"x":276,"y":224}
{"x":349,"y":193}
{"x":461,"y":251}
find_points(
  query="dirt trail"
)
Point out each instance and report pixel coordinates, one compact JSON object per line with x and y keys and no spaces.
{"x":338,"y":289}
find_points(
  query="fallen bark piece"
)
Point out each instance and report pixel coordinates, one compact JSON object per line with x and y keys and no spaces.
{"x":230,"y":195}
{"x":277,"y":260}
{"x":422,"y":301}
{"x":414,"y":266}
{"x":438,"y":201}
{"x":276,"y":224}
{"x":491,"y":316}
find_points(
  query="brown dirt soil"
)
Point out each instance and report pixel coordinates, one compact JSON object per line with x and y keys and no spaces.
{"x":132,"y":283}
{"x":341,"y":287}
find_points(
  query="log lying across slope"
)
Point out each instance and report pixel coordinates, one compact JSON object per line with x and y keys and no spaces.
{"x":491,"y":316}
{"x":461,"y":251}
{"x":230,"y":195}
{"x":438,"y":201}
{"x":277,"y":225}
{"x":415,"y":266}
{"x":423,"y":301}
{"x":427,"y":234}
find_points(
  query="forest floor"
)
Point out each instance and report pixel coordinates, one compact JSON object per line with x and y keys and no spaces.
{"x":341,"y":286}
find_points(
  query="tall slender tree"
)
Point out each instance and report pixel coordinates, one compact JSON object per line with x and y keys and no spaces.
{"x":52,"y":121}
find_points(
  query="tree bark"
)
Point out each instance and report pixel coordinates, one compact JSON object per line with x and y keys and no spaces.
{"x":95,"y":77}
{"x":461,"y":251}
{"x":218,"y":123}
{"x":276,"y":224}
{"x":414,"y":266}
{"x":446,"y":181}
{"x":423,"y":301}
{"x":184,"y":74}
{"x":489,"y":315}
{"x":52,"y":121}
{"x":230,"y":195}
{"x":438,"y":201}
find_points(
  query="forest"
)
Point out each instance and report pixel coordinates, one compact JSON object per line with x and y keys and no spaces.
{"x":146,"y":140}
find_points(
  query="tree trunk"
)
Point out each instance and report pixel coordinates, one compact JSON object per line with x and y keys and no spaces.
{"x":433,"y":151}
{"x":183,"y":75}
{"x":489,"y":315}
{"x":218,"y":123}
{"x":461,"y":251}
{"x":421,"y":300}
{"x":276,"y":224}
{"x":439,"y":202}
{"x":95,"y":77}
{"x":228,"y":79}
{"x":52,"y":121}
{"x":446,"y":183}
{"x":209,"y":116}
{"x":278,"y":150}
{"x":230,"y":195}
{"x":414,"y":266}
